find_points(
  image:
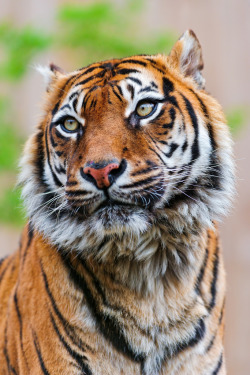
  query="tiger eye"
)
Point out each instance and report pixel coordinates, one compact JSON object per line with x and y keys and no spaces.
{"x":71,"y":124}
{"x":144,"y":109}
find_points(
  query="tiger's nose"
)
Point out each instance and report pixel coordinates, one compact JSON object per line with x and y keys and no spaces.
{"x":103,"y":173}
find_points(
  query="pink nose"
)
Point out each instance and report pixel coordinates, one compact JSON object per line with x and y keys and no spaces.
{"x":101,"y":176}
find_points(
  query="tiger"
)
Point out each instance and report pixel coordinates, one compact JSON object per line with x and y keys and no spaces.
{"x":119,"y":268}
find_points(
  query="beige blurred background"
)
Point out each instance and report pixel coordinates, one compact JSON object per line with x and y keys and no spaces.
{"x":223,"y":28}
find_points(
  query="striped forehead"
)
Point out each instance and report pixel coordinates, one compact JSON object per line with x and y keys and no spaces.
{"x":139,"y":81}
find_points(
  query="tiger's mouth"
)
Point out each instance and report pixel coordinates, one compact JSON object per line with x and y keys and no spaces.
{"x":113,"y":204}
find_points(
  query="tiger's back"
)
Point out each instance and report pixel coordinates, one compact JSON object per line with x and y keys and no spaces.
{"x":120,"y":269}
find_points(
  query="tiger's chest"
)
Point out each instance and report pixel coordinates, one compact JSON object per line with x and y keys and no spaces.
{"x":138,"y":336}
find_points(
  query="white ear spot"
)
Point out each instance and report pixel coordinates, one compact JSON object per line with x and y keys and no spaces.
{"x":50,"y":73}
{"x":188,"y":57}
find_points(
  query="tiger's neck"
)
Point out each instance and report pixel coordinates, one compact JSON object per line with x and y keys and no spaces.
{"x":143,"y":266}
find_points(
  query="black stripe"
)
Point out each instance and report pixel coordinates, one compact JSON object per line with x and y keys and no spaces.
{"x":89,"y":70}
{"x":11,"y":369}
{"x":61,"y":136}
{"x":147,"y":89}
{"x":55,"y":109}
{"x":107,"y":66}
{"x":76,"y":93}
{"x":222,"y":313}
{"x":142,"y":171}
{"x":71,"y":183}
{"x":74,"y":104}
{"x":30,"y":234}
{"x":93,"y":103}
{"x":199,"y":334}
{"x":131,"y":90}
{"x":136,"y":80}
{"x":5,"y":269}
{"x":64,"y":89}
{"x":109,"y":326}
{"x":120,"y":90}
{"x":154,"y":84}
{"x":86,"y":80}
{"x":19,"y":318}
{"x":21,"y":327}
{"x":79,"y":358}
{"x":53,"y":143}
{"x":141,"y":182}
{"x":158,"y":155}
{"x":213,"y":289}
{"x":160,"y":114}
{"x":193,"y":117}
{"x":118,"y":96}
{"x":201,"y":274}
{"x":215,"y":169}
{"x":68,"y":328}
{"x":1,"y":260}
{"x":211,"y":343}
{"x":127,"y":71}
{"x":60,"y":169}
{"x":40,"y":155}
{"x":132,"y":61}
{"x":75,"y":193}
{"x":184,"y":146}
{"x":168,"y":86}
{"x":189,"y":194}
{"x":218,"y":366}
{"x":156,"y":66}
{"x":39,"y":354}
{"x":173,"y":147}
{"x":172,"y":113}
{"x":65,"y":106}
{"x":56,"y":181}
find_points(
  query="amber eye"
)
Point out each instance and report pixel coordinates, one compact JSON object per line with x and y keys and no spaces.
{"x":70,"y":125}
{"x":145,"y":108}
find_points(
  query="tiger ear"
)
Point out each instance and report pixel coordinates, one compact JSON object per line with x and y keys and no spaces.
{"x":50,"y":74}
{"x":186,"y":55}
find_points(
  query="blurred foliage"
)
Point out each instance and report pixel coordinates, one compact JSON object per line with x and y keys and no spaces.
{"x":10,"y":140}
{"x":102,"y":31}
{"x":89,"y":32}
{"x":19,"y":47}
{"x":236,"y":118}
{"x":11,"y":211}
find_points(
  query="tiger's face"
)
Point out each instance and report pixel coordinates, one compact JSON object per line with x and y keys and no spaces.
{"x":126,"y":143}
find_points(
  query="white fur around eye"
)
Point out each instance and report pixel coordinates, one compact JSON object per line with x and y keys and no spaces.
{"x":144,"y":121}
{"x":66,"y":134}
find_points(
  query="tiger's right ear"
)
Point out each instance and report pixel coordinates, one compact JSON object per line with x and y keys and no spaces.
{"x":50,"y":73}
{"x":186,"y":55}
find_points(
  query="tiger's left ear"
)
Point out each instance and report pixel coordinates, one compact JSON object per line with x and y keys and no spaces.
{"x":50,"y":74}
{"x":186,"y":55}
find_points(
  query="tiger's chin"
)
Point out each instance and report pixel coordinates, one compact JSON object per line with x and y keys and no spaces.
{"x":116,"y":218}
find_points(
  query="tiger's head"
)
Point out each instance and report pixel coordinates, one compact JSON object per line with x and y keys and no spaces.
{"x":128,"y":148}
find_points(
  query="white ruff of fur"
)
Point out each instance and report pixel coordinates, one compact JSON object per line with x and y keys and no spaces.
{"x":147,"y":245}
